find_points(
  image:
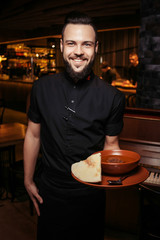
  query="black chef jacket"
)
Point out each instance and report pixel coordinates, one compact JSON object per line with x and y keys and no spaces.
{"x":74,"y":118}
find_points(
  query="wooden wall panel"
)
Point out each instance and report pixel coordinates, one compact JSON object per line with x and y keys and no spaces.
{"x":142,"y":128}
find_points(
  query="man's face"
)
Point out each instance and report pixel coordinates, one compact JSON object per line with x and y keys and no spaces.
{"x":133,"y":60}
{"x":79,"y":48}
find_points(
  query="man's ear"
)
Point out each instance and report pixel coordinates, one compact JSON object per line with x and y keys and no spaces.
{"x":61,"y":45}
{"x":96,"y":47}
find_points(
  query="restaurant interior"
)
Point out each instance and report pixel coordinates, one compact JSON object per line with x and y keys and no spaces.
{"x":30,"y":33}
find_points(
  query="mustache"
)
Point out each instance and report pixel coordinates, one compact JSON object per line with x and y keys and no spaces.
{"x":79,"y":58}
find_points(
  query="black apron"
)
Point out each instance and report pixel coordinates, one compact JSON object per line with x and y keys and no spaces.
{"x":68,"y":211}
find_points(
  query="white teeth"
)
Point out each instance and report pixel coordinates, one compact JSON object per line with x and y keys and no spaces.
{"x":78,"y":60}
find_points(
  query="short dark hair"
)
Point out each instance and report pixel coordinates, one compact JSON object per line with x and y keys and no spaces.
{"x":133,"y":54}
{"x":76,"y":17}
{"x":104,"y":65}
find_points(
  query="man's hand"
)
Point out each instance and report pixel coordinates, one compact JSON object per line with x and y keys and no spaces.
{"x":34,"y":195}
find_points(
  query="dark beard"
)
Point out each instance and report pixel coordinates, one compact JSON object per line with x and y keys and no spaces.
{"x":78,"y":76}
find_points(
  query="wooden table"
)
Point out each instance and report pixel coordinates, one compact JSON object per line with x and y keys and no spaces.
{"x":11,"y":134}
{"x":128,"y":89}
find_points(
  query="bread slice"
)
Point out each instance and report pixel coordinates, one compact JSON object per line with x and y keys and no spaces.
{"x":88,"y":170}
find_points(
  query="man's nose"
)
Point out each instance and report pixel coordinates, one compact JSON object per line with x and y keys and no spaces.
{"x":78,"y":50}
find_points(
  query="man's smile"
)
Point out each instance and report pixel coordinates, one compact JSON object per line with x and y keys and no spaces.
{"x":78,"y":62}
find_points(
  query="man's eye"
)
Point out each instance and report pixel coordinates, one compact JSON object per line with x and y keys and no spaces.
{"x":87,"y":44}
{"x":70,"y":44}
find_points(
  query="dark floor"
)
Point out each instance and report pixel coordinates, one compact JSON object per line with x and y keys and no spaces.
{"x":16,"y":222}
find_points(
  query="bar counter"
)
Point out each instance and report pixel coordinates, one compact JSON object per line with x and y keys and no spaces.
{"x":15,"y":92}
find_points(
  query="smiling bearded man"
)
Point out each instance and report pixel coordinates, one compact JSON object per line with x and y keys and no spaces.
{"x":72,"y":115}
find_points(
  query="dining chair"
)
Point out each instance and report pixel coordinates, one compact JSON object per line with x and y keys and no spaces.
{"x":131,"y":100}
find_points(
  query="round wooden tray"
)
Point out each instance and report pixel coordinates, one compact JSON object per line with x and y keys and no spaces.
{"x":136,"y":176}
